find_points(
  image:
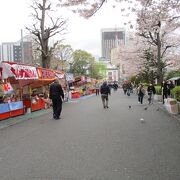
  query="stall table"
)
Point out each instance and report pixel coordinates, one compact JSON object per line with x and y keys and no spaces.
{"x":16,"y":108}
{"x":40,"y":104}
{"x":75,"y":95}
{"x":36,"y":105}
{"x":11,"y":109}
{"x":4,"y":111}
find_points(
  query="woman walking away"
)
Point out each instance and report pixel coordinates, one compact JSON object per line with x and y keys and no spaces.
{"x":105,"y":91}
{"x":141,"y":93}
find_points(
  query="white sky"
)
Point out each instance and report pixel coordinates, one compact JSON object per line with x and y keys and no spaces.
{"x":83,"y":34}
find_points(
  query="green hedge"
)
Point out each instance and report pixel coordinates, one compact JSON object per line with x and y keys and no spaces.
{"x":158,"y":90}
{"x":176,"y":92}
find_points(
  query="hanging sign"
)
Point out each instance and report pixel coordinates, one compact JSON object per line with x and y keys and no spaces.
{"x":45,"y":74}
{"x":7,"y":88}
{"x":60,"y":75}
{"x":19,"y":71}
{"x":69,"y":77}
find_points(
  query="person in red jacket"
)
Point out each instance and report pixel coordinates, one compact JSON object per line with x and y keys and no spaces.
{"x":56,"y":94}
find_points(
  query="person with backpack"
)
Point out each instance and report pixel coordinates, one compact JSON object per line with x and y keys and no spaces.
{"x":105,"y":92}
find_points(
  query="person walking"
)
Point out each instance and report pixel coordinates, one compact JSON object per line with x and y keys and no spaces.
{"x":105,"y":91}
{"x":151,"y":92}
{"x":124,"y":86}
{"x":129,"y":89}
{"x":141,"y":93}
{"x":165,"y":89}
{"x":97,"y":88}
{"x":56,"y":94}
{"x":171,"y":86}
{"x":115,"y":86}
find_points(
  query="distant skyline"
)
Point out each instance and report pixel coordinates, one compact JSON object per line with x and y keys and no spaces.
{"x":82,"y":33}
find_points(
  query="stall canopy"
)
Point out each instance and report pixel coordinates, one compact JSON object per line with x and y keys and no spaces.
{"x":21,"y":74}
{"x":175,"y":78}
{"x":18,"y":71}
{"x":24,"y":74}
{"x":45,"y":77}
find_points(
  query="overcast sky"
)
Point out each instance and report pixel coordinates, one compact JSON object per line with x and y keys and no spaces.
{"x":83,"y":34}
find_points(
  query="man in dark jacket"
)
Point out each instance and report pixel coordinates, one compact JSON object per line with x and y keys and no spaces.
{"x":151,"y":92}
{"x":56,"y":94}
{"x":164,"y":88}
{"x":105,"y":91}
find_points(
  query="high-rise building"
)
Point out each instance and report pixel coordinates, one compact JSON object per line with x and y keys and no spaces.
{"x":17,"y":53}
{"x":111,"y":38}
{"x":28,"y":52}
{"x":7,"y":51}
{"x":12,"y":51}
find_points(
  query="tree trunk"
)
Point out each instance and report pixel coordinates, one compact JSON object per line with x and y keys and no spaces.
{"x":46,"y":61}
{"x":159,"y":66}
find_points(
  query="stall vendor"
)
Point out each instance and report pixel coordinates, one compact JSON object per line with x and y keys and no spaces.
{"x":47,"y":100}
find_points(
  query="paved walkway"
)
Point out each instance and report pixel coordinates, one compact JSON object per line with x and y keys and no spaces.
{"x":93,"y":143}
{"x":18,"y":119}
{"x":15,"y":120}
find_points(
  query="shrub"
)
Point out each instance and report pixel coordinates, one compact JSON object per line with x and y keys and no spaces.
{"x":176,"y":93}
{"x":158,"y":90}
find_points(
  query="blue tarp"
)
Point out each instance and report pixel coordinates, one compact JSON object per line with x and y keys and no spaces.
{"x":4,"y":108}
{"x":15,"y":105}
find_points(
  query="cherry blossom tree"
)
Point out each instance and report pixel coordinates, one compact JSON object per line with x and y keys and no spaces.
{"x":158,"y":22}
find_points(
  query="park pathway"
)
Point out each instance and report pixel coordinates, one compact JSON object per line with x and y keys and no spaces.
{"x":92,"y":143}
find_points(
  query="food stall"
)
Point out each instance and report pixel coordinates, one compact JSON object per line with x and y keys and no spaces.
{"x":83,"y":86}
{"x":14,"y":78}
{"x":24,"y":87}
{"x":77,"y":89}
{"x":90,"y":85}
{"x":38,"y":88}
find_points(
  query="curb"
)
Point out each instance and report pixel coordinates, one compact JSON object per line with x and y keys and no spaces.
{"x":175,"y":116}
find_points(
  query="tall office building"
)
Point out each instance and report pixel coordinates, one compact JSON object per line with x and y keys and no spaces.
{"x":12,"y":51}
{"x":7,"y":50}
{"x":111,"y":38}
